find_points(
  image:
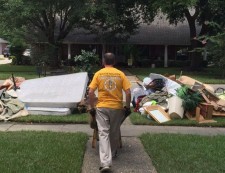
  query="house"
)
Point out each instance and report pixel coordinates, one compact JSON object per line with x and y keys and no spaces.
{"x":158,"y":43}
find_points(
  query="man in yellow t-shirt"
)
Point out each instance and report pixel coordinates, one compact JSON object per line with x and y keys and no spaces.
{"x":110,"y":112}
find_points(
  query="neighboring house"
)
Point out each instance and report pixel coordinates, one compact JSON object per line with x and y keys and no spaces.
{"x":3,"y":45}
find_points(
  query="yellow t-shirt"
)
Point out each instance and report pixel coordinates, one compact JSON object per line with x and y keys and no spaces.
{"x":110,"y":82}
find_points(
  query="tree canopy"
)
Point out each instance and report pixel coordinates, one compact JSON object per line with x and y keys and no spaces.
{"x":113,"y":20}
{"x":197,"y":13}
{"x":47,"y":21}
{"x":51,"y":21}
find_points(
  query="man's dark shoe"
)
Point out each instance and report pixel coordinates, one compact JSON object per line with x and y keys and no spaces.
{"x":105,"y":169}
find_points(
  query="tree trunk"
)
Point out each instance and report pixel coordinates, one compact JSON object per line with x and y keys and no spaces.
{"x":103,"y":51}
{"x":196,"y":59}
{"x":57,"y":62}
{"x":53,"y":55}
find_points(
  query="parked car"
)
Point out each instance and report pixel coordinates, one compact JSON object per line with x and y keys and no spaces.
{"x":6,"y":52}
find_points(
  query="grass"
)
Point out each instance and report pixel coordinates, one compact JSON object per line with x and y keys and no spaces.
{"x":172,"y":153}
{"x":208,"y":75}
{"x":69,"y":119}
{"x":28,"y":72}
{"x":35,"y":152}
{"x":138,"y":119}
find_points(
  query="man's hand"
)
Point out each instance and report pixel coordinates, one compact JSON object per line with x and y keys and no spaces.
{"x":127,"y":111}
{"x":92,"y":112}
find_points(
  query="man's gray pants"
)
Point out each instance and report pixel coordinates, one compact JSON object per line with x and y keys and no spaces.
{"x":109,"y":121}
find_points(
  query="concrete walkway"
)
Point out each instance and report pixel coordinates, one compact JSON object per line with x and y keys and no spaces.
{"x":5,"y":61}
{"x":132,"y":158}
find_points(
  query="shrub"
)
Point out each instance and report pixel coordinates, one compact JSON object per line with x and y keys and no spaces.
{"x":14,"y":60}
{"x":26,"y":60}
{"x":11,"y":57}
{"x":17,"y":51}
{"x":86,"y":61}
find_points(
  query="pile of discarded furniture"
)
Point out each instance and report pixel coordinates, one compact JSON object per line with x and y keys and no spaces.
{"x":54,"y":95}
{"x":164,"y":98}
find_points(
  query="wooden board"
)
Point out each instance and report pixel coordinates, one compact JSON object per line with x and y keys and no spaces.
{"x":157,"y":113}
{"x":218,"y":113}
{"x":191,"y":82}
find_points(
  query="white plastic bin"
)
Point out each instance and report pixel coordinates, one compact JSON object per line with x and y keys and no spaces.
{"x":176,"y":109}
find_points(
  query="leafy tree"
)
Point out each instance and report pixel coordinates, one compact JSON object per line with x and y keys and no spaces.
{"x":48,"y":21}
{"x":113,"y":21}
{"x":86,"y":61}
{"x":217,"y":14}
{"x":216,"y":49}
{"x":196,"y":12}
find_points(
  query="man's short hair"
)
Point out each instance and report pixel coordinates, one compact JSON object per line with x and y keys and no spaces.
{"x":109,"y":59}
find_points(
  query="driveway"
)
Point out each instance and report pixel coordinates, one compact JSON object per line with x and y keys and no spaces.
{"x":5,"y":61}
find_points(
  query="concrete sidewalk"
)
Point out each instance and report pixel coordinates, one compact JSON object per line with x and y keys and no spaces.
{"x":132,"y":158}
{"x":126,"y":130}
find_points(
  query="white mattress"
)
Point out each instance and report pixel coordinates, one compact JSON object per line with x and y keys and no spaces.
{"x":63,"y":91}
{"x":48,"y":111}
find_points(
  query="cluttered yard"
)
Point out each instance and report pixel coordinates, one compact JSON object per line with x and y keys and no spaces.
{"x":189,"y":153}
{"x":209,"y":75}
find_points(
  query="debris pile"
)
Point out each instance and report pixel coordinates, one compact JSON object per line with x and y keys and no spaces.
{"x":165,"y":98}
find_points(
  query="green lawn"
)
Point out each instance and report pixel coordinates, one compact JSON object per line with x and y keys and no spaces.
{"x":72,"y":119}
{"x":47,"y":152}
{"x":208,"y":75}
{"x":138,"y":119}
{"x":29,"y":72}
{"x":172,"y":153}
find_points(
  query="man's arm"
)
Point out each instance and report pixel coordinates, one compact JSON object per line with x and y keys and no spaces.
{"x":91,"y":94}
{"x":128,"y":97}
